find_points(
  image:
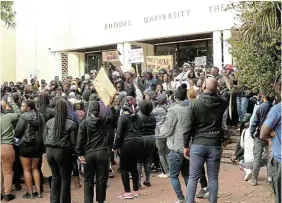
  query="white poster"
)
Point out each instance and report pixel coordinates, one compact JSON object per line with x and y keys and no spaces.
{"x":135,"y":56}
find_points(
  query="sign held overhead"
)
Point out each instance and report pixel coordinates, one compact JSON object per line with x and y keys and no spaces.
{"x":159,"y":62}
{"x":135,"y":56}
{"x":111,"y":57}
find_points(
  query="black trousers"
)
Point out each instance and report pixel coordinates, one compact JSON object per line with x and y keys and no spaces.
{"x":97,"y":163}
{"x":132,"y":151}
{"x":75,"y":166}
{"x":18,"y":169}
{"x":60,"y":162}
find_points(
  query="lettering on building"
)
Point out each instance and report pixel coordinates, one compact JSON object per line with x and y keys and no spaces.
{"x":167,"y":16}
{"x":219,"y":8}
{"x":119,"y":24}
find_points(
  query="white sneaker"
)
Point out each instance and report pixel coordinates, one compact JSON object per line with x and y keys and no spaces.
{"x":163,"y":175}
{"x":248,"y":174}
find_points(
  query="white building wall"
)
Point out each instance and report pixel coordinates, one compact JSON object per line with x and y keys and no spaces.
{"x":217,"y":49}
{"x":227,"y":57}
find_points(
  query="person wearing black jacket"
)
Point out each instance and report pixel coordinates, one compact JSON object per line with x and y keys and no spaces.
{"x":60,"y":141}
{"x":29,"y":130}
{"x":148,"y":126}
{"x":259,"y":145}
{"x":93,"y":150}
{"x":204,"y":128}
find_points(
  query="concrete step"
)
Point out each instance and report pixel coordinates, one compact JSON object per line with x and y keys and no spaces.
{"x":227,"y":153}
{"x":231,"y":146}
{"x":235,"y":139}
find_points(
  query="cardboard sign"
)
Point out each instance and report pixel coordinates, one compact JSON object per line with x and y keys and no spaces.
{"x":201,"y":61}
{"x":105,"y":89}
{"x":159,"y":62}
{"x":135,"y":56}
{"x":111,"y":57}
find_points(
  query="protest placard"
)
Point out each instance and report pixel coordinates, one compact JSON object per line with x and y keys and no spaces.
{"x":201,"y":61}
{"x":135,"y":56}
{"x":105,"y":89}
{"x":159,"y":62}
{"x":111,"y":57}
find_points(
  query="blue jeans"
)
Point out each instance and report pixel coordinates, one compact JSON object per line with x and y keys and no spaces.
{"x":242,"y":106}
{"x":178,"y":163}
{"x":199,"y":154}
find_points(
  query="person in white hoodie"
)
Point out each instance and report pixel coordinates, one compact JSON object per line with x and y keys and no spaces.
{"x":247,"y":143}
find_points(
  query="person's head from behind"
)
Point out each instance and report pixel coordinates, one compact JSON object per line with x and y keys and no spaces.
{"x":61,"y":114}
{"x":267,"y":98}
{"x":191,"y":83}
{"x":145,"y":107}
{"x":180,"y":94}
{"x":94,"y":108}
{"x":191,"y":94}
{"x":210,"y":85}
{"x":43,"y":100}
{"x":161,"y":99}
{"x":27,"y":105}
{"x":94,"y":97}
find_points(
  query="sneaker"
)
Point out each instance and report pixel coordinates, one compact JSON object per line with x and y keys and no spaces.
{"x":126,"y":195}
{"x":148,"y":184}
{"x":9,"y":197}
{"x":18,"y":187}
{"x":135,"y":193}
{"x":248,"y":174}
{"x":28,"y":196}
{"x":181,"y":201}
{"x":162,"y":175}
{"x":253,"y":183}
{"x":202,"y":193}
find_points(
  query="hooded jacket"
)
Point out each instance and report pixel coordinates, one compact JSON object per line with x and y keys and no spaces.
{"x":95,"y":133}
{"x":204,"y":123}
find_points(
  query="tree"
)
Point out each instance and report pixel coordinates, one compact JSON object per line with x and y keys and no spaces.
{"x":7,"y":13}
{"x":255,"y":44}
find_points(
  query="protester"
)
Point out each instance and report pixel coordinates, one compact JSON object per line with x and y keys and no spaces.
{"x":204,"y":125}
{"x":29,"y":130}
{"x":60,"y":141}
{"x":259,"y":145}
{"x":93,"y":151}
{"x":173,"y":130}
{"x":271,"y":128}
{"x":160,"y":112}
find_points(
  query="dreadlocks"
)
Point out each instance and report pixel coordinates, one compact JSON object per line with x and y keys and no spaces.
{"x":43,"y":102}
{"x":60,"y":118}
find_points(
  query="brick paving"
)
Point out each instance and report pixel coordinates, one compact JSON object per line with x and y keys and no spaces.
{"x":232,"y":188}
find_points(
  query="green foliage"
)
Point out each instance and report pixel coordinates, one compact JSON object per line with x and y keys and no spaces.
{"x":7,"y":13}
{"x":255,"y":44}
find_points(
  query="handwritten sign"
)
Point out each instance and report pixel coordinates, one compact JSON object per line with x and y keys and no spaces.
{"x":201,"y":61}
{"x":111,"y":57}
{"x":105,"y":89}
{"x":135,"y":56}
{"x":159,"y":62}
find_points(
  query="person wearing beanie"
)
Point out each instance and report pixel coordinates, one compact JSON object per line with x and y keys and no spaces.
{"x":160,"y":112}
{"x":93,"y":150}
{"x":172,"y":130}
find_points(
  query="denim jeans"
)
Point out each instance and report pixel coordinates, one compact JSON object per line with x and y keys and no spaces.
{"x":178,"y":163}
{"x":242,"y":106}
{"x":199,"y":154}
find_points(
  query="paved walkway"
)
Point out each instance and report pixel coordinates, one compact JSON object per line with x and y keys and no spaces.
{"x":233,"y":189}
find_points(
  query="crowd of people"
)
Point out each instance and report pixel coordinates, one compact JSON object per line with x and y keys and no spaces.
{"x":156,"y":121}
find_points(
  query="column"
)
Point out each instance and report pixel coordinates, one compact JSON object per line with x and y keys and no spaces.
{"x":120,"y":49}
{"x":73,"y":64}
{"x":227,"y":57}
{"x":217,"y":49}
{"x":57,"y":64}
{"x":81,"y":64}
{"x":126,"y":48}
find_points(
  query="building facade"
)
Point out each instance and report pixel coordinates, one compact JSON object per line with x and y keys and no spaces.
{"x":67,"y":37}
